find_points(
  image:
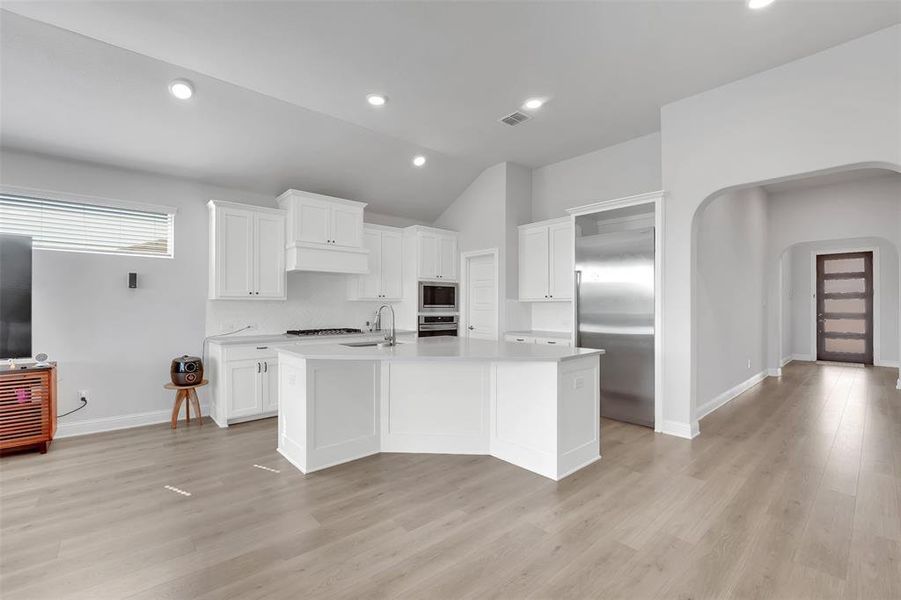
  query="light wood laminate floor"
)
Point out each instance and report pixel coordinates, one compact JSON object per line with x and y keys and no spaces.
{"x":791,"y":491}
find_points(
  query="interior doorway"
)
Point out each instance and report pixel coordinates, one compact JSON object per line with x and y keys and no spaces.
{"x":480,"y":299}
{"x":844,"y":296}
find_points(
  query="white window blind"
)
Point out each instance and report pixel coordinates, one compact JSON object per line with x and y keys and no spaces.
{"x":82,"y":227}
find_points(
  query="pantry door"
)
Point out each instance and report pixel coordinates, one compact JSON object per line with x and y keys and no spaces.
{"x":845,"y":307}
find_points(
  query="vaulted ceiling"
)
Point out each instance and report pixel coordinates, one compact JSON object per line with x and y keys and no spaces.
{"x":281,"y":86}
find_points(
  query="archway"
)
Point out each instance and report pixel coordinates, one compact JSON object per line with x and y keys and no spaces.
{"x":738,"y":244}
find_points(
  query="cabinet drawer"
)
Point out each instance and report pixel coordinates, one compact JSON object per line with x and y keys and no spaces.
{"x":250,"y":352}
{"x":554,"y":341}
{"x":520,"y":339}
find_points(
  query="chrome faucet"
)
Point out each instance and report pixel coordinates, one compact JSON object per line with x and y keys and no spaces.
{"x":390,"y":339}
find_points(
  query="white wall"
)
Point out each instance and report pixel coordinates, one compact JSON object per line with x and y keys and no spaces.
{"x":116,"y":342}
{"x":110,"y":340}
{"x":835,"y":108}
{"x":629,"y":168}
{"x":786,"y":307}
{"x":731,"y":286}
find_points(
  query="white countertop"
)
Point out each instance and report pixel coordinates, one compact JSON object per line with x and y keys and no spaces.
{"x":443,"y":348}
{"x":283,"y":338}
{"x":557,"y":335}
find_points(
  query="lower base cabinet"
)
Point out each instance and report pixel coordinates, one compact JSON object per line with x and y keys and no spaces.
{"x":252,"y":387}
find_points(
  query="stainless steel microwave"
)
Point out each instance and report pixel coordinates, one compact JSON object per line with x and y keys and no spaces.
{"x":437,"y":297}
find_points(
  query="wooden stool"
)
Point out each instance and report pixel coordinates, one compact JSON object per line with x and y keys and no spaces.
{"x":186,"y":394}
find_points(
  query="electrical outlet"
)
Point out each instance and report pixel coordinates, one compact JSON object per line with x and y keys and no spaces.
{"x":749,"y":363}
{"x":82,"y":394}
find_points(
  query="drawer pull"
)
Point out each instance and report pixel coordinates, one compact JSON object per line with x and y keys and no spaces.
{"x":262,"y":347}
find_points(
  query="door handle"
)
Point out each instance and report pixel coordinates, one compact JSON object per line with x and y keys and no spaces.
{"x":577,"y":284}
{"x":265,"y":367}
{"x":258,"y":367}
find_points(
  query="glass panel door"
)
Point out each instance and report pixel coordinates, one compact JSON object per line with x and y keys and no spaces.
{"x":845,"y":307}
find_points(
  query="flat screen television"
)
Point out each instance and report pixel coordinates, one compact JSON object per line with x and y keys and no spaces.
{"x":15,"y":296}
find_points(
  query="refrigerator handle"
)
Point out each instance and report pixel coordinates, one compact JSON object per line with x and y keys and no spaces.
{"x":577,"y":284}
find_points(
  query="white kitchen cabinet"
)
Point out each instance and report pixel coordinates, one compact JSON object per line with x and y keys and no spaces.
{"x":243,"y":380}
{"x":247,"y":252}
{"x":436,"y":253}
{"x":386,"y":255}
{"x":324,"y":233}
{"x":546,"y":261}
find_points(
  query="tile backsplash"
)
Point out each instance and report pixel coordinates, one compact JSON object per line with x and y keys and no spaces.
{"x":315,"y":300}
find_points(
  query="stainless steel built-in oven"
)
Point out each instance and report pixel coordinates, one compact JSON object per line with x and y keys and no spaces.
{"x":435,"y":325}
{"x":437,"y":297}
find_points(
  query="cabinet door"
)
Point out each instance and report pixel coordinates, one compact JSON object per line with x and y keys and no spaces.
{"x":311,"y":221}
{"x":392,"y":259}
{"x":269,"y":385}
{"x":269,"y":242}
{"x":346,"y":226}
{"x":533,"y":264}
{"x":243,"y":385}
{"x":560,"y":277}
{"x":428,"y":256}
{"x":234,"y":253}
{"x":370,"y":283}
{"x":447,"y":257}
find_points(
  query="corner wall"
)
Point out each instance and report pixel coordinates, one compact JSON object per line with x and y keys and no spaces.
{"x":731,"y":288}
{"x":826,"y":111}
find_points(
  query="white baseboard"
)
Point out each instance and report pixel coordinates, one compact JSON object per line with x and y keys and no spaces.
{"x":710,"y":406}
{"x":774,"y":372}
{"x":804,"y":357}
{"x":785,"y":361}
{"x":688,"y":431}
{"x":88,"y":426}
{"x":898,"y":384}
{"x":892,"y":364}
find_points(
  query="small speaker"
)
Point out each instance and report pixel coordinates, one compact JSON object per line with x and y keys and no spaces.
{"x":132,"y":280}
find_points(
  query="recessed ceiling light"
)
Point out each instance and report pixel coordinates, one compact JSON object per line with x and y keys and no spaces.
{"x":418,"y":161}
{"x":755,"y":4}
{"x":181,"y":89}
{"x":533,"y":103}
{"x":377,"y":99}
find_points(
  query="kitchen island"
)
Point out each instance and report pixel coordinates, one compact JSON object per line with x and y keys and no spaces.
{"x":534,"y":406}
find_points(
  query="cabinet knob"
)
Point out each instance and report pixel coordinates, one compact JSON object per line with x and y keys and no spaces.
{"x":258,"y":367}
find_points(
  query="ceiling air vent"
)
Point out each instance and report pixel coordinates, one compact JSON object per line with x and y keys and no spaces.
{"x":515,"y":118}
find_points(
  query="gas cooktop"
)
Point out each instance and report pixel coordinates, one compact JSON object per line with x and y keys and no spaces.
{"x":337,"y":331}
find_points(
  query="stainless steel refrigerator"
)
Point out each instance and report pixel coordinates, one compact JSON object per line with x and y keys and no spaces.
{"x":615,"y":311}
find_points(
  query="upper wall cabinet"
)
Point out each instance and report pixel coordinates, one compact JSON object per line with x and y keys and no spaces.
{"x":324,"y":233}
{"x":546,"y":261}
{"x":247,"y":252}
{"x":436,"y":252}
{"x":386,"y":256}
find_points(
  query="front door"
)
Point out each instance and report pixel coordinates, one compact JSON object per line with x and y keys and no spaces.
{"x":845,"y":307}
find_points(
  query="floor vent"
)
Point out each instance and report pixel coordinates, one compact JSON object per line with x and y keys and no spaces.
{"x":515,"y":118}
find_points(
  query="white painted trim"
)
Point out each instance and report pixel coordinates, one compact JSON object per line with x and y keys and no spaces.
{"x":250,"y":207}
{"x":300,"y":194}
{"x":544,"y":223}
{"x":803,"y":357}
{"x":892,"y":364}
{"x":785,"y":361}
{"x":464,"y":276}
{"x":89,"y":426}
{"x":877,"y":275}
{"x":689,"y":431}
{"x":733,"y":392}
{"x":603,"y":205}
{"x":660,"y":426}
{"x":774,"y":372}
{"x":898,"y":384}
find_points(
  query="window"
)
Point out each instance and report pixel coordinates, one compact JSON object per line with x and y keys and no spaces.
{"x":86,"y":227}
